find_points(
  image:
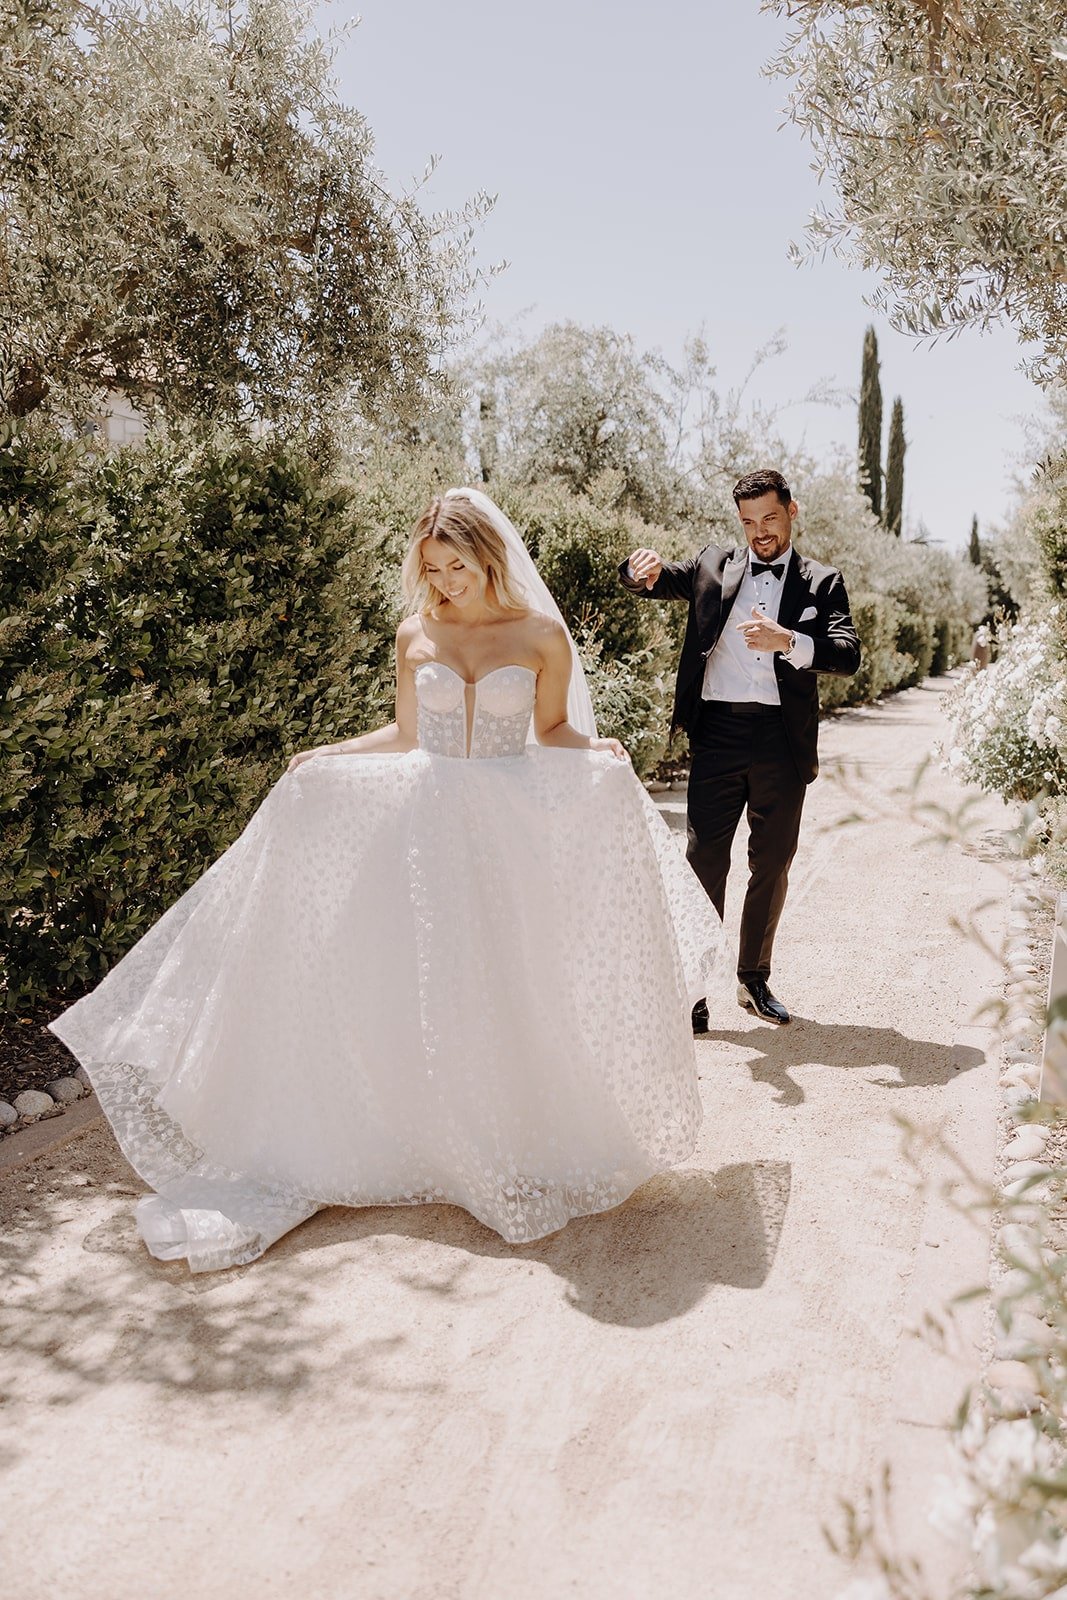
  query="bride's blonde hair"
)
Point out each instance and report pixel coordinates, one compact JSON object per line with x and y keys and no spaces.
{"x":458,"y":523}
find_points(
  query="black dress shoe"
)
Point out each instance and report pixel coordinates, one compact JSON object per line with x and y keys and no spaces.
{"x":700,"y":1017}
{"x":756,"y":996}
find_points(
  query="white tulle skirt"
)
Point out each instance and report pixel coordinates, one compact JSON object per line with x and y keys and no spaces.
{"x":410,"y":979}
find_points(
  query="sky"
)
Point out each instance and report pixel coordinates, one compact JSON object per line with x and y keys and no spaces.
{"x":646,"y":182}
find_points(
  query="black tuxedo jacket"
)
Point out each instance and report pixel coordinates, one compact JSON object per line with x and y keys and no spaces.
{"x":709,"y":581}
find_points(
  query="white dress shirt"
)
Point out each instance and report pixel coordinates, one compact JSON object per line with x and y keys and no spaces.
{"x":733,"y":671}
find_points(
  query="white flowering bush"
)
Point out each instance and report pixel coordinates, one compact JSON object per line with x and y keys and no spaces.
{"x":1003,"y":1505}
{"x":1009,"y":719}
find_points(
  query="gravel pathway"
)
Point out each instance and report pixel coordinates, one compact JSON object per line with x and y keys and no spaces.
{"x":665,"y":1400}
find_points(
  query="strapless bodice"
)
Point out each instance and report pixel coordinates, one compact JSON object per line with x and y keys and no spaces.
{"x":503,"y":702}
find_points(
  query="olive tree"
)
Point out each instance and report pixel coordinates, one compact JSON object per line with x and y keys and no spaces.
{"x":942,"y":125}
{"x":190,"y":215}
{"x":576,"y":403}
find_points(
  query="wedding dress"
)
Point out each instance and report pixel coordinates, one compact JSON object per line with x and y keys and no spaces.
{"x":459,"y":974}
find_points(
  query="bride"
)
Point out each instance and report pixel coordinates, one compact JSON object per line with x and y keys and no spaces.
{"x":452,"y":960}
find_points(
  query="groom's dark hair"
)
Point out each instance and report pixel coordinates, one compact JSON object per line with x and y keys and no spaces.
{"x":766,"y":481}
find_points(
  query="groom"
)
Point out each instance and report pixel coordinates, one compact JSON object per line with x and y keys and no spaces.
{"x":763,"y":621}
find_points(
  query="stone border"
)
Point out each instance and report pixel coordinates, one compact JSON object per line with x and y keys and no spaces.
{"x":49,"y":1134}
{"x":32,"y":1105}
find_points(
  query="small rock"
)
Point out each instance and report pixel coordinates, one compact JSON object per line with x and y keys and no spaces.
{"x":1021,"y":1175}
{"x":1014,"y":1404}
{"x":1027,"y":1073}
{"x":1021,"y":1244}
{"x":82,"y":1076}
{"x":65,"y":1090}
{"x":1026,"y":1144}
{"x":656,"y":786}
{"x":680,"y":784}
{"x":1014,"y":1282}
{"x":33,"y":1103}
{"x":8,"y":1114}
{"x":1012,"y":1375}
{"x":1027,"y":1332}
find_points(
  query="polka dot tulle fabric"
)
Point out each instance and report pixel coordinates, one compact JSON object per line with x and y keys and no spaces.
{"x":461,"y":974}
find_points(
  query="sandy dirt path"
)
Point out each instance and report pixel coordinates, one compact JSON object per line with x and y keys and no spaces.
{"x":664,"y":1401}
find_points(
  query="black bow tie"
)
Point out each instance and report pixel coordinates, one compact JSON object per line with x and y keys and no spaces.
{"x":766,"y":566}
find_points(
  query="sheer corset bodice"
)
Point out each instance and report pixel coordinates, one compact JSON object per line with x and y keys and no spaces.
{"x":500,"y":706}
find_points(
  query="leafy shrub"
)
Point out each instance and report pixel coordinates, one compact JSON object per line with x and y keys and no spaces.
{"x":1049,"y":528}
{"x":915,"y":641}
{"x":178,"y":619}
{"x":629,"y":704}
{"x":882,"y":667}
{"x":953,"y":639}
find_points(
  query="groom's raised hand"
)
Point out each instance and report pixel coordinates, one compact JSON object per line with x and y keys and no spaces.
{"x":645,"y":566}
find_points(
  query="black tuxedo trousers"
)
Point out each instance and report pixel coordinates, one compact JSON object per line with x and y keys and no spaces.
{"x":740,"y":760}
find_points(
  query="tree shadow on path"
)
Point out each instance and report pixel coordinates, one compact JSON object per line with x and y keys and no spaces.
{"x":89,"y":1307}
{"x":918,"y":1063}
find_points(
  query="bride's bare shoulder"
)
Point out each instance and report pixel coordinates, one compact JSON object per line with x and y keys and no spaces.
{"x":409,"y":631}
{"x":409,"y":636}
{"x":544,"y":628}
{"x":548,"y":637}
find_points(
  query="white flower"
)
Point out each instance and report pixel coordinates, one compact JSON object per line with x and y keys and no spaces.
{"x":1003,"y":1534}
{"x":1009,"y":1453}
{"x":1045,"y":1557}
{"x":953,"y":1510}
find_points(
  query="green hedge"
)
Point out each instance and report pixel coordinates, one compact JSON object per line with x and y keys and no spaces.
{"x":915,"y":641}
{"x":953,"y":640}
{"x":178,"y":619}
{"x":900,"y":648}
{"x":877,"y":620}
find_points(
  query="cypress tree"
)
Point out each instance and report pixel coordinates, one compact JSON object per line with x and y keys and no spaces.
{"x":894,"y":470}
{"x":870,"y":450}
{"x":974,"y":549}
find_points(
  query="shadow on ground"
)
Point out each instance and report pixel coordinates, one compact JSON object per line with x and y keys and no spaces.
{"x":918,"y":1063}
{"x":645,"y":1262}
{"x":86,"y":1306}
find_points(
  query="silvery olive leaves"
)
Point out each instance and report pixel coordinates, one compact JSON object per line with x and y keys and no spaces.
{"x":943,"y":125}
{"x":189,"y":214}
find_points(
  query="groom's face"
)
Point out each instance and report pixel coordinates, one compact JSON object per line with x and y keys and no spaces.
{"x":768,"y":525}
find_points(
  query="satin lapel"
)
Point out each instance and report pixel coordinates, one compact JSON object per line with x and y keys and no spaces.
{"x":732,"y":573}
{"x":795,"y":592}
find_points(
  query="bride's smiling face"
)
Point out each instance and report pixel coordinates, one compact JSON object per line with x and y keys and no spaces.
{"x":447,"y":572}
